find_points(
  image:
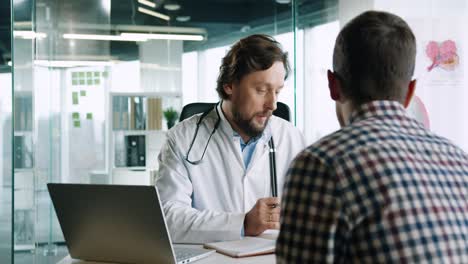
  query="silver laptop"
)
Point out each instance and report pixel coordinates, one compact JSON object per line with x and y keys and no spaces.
{"x":116,"y":223}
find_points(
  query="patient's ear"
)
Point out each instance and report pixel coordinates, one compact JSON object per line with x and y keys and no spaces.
{"x":409,"y":93}
{"x":228,"y":89}
{"x":333,"y":86}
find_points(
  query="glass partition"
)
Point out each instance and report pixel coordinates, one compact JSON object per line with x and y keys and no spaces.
{"x":317,"y":25}
{"x":99,"y":83}
{"x":6,"y":135}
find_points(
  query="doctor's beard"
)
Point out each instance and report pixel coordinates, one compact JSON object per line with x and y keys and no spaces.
{"x":248,"y":125}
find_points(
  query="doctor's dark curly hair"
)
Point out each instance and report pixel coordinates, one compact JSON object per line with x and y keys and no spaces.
{"x":250,"y":54}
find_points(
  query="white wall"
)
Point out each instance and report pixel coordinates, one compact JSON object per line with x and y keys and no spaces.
{"x":319,"y":109}
{"x":125,"y":77}
{"x":442,"y":91}
{"x":288,"y":93}
{"x":189,"y":77}
{"x":208,"y":71}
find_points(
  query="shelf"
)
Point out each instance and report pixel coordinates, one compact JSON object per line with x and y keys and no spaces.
{"x":24,"y":169}
{"x":142,"y":112}
{"x":22,"y":132}
{"x":130,"y":168}
{"x":23,"y":151}
{"x":23,"y":112}
{"x":137,"y":131}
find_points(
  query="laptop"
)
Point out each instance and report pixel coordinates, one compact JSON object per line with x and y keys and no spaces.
{"x":117,"y":223}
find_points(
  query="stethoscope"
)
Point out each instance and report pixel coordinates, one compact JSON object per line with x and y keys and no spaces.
{"x":271,"y":145}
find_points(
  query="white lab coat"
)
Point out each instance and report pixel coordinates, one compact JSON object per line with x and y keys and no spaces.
{"x":208,"y":202}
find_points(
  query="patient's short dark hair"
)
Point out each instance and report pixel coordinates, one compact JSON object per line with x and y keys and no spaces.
{"x":250,"y":54}
{"x":374,"y":57}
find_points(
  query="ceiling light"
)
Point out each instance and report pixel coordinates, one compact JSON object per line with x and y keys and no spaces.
{"x":103,"y":37}
{"x":165,"y":36}
{"x":67,"y":64}
{"x":153,"y":13}
{"x":9,"y":63}
{"x":183,"y":18}
{"x":135,"y":37}
{"x":171,"y":5}
{"x":245,"y":29}
{"x":29,"y":34}
{"x":147,"y":3}
{"x":283,"y":1}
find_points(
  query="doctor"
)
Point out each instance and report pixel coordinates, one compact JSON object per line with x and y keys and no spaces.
{"x":214,"y":173}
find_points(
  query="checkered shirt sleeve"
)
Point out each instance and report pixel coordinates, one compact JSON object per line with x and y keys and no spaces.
{"x":381,"y":190}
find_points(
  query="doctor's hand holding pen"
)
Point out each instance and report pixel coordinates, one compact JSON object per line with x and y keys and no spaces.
{"x":264,"y":215}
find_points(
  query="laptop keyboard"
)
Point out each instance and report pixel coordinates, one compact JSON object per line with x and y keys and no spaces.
{"x":183,"y":253}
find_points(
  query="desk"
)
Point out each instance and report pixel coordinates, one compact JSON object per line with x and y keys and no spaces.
{"x":214,"y":258}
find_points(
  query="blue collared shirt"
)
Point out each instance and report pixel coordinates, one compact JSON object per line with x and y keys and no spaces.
{"x":248,"y":148}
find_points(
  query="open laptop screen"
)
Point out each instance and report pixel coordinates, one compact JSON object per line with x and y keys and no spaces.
{"x":113,"y":223}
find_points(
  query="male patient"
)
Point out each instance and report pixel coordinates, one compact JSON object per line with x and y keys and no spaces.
{"x":383,"y":189}
{"x":214,"y":169}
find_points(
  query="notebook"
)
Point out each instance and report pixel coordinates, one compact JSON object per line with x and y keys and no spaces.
{"x":116,"y":223}
{"x":247,"y":246}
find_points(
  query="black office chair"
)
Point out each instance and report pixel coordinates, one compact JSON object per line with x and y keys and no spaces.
{"x":282,"y":110}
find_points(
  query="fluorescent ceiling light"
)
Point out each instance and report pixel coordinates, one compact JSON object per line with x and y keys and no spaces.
{"x":153,"y":13}
{"x":147,"y":3}
{"x":164,"y":36}
{"x":172,"y":6}
{"x":28,"y":34}
{"x":66,"y":64}
{"x":103,"y":37}
{"x":183,"y":18}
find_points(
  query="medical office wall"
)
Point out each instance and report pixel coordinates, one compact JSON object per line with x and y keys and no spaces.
{"x":441,"y":69}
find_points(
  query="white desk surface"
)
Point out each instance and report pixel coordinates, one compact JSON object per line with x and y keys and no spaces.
{"x":214,"y":258}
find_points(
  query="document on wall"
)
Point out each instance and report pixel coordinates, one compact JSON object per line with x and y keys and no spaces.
{"x":247,"y":246}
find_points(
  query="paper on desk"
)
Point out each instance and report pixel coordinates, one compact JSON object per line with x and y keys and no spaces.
{"x":246,"y":247}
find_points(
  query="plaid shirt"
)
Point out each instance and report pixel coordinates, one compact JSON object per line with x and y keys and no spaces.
{"x":381,"y":190}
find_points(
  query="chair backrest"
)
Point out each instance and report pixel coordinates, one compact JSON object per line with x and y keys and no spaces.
{"x":282,"y":110}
